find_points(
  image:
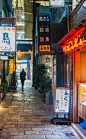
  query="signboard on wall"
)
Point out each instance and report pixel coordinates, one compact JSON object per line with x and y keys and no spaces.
{"x":7,"y":39}
{"x":62,"y":100}
{"x":57,"y":3}
{"x":54,"y":70}
{"x":44,"y":34}
{"x":11,"y":66}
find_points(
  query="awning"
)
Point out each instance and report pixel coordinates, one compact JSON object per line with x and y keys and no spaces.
{"x":73,"y":40}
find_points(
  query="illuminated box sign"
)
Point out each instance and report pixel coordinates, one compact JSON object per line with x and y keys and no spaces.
{"x":57,"y":3}
{"x":44,"y":47}
{"x":62,"y":100}
{"x":3,"y":57}
{"x":44,"y":34}
{"x":73,"y":40}
{"x":11,"y":66}
{"x":74,"y":44}
{"x":7,"y":39}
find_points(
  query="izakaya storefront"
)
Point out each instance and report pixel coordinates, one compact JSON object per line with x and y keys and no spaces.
{"x":74,"y":45}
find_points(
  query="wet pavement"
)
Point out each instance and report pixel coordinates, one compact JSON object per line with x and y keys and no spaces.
{"x":28,"y":117}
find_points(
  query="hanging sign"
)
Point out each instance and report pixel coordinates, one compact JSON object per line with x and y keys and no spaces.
{"x":54,"y":71}
{"x":62,"y":100}
{"x":44,"y":34}
{"x":7,"y":39}
{"x":11,"y":66}
{"x":57,"y":3}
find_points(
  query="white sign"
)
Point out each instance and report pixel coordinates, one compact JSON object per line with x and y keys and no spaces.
{"x":62,"y":100}
{"x":4,"y":57}
{"x":57,"y":3}
{"x":7,"y":39}
{"x":54,"y":71}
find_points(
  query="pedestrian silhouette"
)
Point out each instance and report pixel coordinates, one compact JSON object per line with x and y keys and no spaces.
{"x":22,"y":77}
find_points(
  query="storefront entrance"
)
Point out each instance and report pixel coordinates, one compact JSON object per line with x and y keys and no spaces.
{"x":26,"y":64}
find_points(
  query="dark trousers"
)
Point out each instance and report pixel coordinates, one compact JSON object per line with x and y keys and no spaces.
{"x":22,"y":84}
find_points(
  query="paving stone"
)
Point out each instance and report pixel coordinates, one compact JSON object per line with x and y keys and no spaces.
{"x":31,"y":132}
{"x":13,"y":133}
{"x":37,"y":129}
{"x":45,"y":132}
{"x":23,"y":129}
{"x":30,"y":137}
{"x":49,"y":129}
{"x":7,"y":126}
{"x":53,"y":137}
{"x":6,"y":137}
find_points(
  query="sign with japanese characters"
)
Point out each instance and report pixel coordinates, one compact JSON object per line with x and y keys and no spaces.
{"x":44,"y":34}
{"x":11,"y":66}
{"x":57,"y":3}
{"x":7,"y":39}
{"x":62,"y":100}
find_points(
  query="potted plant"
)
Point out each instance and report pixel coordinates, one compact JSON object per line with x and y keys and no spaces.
{"x":39,"y":72}
{"x":2,"y":90}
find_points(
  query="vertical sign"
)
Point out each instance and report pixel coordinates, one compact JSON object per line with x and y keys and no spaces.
{"x":44,"y":34}
{"x":54,"y":76}
{"x":62,"y":100}
{"x":11,"y":66}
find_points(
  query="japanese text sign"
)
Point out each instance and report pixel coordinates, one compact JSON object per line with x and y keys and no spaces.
{"x":11,"y":66}
{"x":7,"y":39}
{"x":44,"y":34}
{"x":62,"y":100}
{"x":57,"y":3}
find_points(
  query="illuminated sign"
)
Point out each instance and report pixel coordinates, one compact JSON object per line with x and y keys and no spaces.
{"x":44,"y":48}
{"x":57,"y":3}
{"x":44,"y":35}
{"x":73,"y":44}
{"x":11,"y":66}
{"x":62,"y":100}
{"x":4,"y":57}
{"x":7,"y":39}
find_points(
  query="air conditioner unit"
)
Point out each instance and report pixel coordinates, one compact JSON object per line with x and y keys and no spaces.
{"x":2,"y":14}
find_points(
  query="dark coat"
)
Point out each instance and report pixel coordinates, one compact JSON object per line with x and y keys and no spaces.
{"x":22,"y":75}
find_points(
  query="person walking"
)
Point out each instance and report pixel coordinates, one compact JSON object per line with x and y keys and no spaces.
{"x":22,"y":77}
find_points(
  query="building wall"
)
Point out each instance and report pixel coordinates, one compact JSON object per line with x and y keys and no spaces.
{"x":1,"y":4}
{"x":79,"y":77}
{"x":77,"y":15}
{"x":48,"y":64}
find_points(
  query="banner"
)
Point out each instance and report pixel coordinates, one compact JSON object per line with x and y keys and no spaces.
{"x":62,"y":100}
{"x":44,"y":33}
{"x":56,"y":3}
{"x":7,"y":39}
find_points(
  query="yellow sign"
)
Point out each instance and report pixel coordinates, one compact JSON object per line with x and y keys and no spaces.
{"x":11,"y":66}
{"x":44,"y":47}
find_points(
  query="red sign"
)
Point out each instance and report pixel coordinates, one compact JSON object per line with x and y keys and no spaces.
{"x":73,"y":44}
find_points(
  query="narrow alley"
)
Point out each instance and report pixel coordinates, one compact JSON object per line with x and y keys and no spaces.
{"x":28,"y":117}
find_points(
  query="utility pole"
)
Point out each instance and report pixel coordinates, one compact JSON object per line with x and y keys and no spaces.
{"x":34,"y":22}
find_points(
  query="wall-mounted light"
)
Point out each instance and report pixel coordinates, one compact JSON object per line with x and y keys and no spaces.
{"x":47,"y":59}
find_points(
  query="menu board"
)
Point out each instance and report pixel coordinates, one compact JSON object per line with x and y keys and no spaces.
{"x":62,"y":100}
